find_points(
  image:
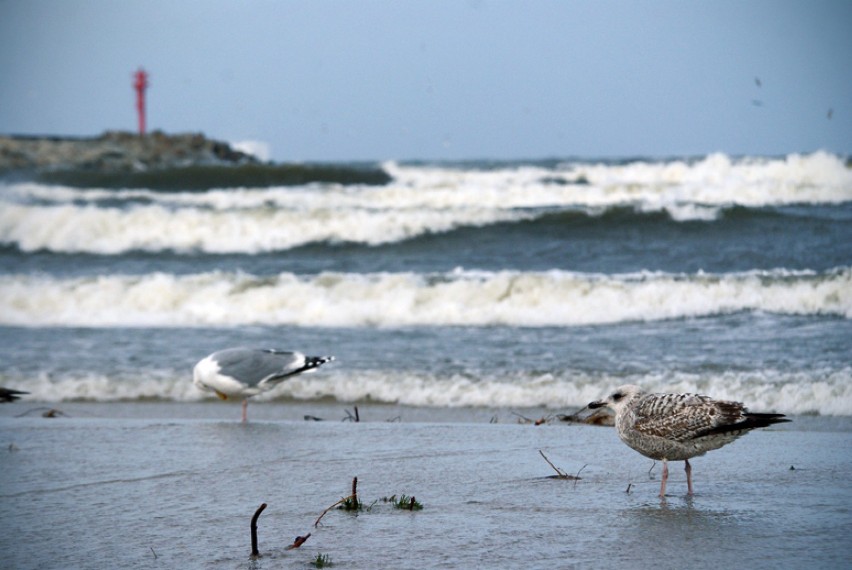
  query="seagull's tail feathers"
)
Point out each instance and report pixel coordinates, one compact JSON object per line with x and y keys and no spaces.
{"x":764,"y":420}
{"x":748,"y":422}
{"x":314,"y":362}
{"x":310,"y":364}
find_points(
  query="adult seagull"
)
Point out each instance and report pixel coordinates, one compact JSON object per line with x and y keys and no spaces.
{"x":678,"y":427}
{"x":246,"y":372}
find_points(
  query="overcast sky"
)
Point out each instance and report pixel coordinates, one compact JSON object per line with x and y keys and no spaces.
{"x":432,"y":79}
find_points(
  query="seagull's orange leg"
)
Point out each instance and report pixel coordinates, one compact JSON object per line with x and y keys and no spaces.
{"x":664,"y":478}
{"x":245,"y":409}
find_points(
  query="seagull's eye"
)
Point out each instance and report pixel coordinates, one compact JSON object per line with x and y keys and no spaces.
{"x":617,"y":396}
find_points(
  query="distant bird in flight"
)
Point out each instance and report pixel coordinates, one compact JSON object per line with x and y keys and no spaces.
{"x":757,"y":82}
{"x":246,"y":372}
{"x":829,"y":114}
{"x":678,"y":427}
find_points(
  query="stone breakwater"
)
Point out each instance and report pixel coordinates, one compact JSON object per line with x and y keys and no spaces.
{"x":116,"y":151}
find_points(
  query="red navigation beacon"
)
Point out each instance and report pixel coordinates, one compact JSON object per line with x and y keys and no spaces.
{"x":140,"y":84}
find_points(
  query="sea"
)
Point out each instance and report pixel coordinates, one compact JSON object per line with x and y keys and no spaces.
{"x":498,"y":284}
{"x":470,"y":307}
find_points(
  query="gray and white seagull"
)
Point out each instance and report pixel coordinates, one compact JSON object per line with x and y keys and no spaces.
{"x":678,"y":427}
{"x":246,"y":372}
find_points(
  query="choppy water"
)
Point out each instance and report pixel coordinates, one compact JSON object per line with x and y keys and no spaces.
{"x":475,"y":284}
{"x":453,"y":296}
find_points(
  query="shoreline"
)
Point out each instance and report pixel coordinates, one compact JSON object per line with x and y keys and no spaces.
{"x":325,"y":410}
{"x":337,"y":412}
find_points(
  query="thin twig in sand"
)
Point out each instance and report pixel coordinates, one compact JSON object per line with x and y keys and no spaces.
{"x":526,"y":420}
{"x":353,"y":497}
{"x":343,"y":500}
{"x":350,"y":417}
{"x":577,"y":476}
{"x":559,"y":472}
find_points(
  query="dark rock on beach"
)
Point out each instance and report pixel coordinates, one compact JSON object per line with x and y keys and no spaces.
{"x":115,"y":151}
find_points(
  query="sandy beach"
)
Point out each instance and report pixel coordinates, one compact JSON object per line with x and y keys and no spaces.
{"x":174,"y":485}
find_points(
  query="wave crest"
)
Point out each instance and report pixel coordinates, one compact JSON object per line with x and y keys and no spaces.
{"x":826,"y":392}
{"x":418,"y":200}
{"x":459,"y":298}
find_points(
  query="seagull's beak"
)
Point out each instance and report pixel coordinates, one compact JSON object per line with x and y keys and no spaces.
{"x":597,"y":404}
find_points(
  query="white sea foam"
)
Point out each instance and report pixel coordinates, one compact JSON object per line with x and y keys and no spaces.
{"x":420,"y":200}
{"x":716,"y":180}
{"x":719,"y":180}
{"x":827,"y":392}
{"x":90,"y":229}
{"x":512,"y":298}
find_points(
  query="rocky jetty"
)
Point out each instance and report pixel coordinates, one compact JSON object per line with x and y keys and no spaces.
{"x":116,"y":152}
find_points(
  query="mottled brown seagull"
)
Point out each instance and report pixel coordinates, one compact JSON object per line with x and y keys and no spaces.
{"x":678,"y":427}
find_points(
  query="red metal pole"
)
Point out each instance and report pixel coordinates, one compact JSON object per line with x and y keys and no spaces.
{"x":140,"y":84}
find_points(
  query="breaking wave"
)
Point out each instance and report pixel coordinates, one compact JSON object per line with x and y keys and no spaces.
{"x":826,"y":392}
{"x":417,"y":200}
{"x":457,"y":298}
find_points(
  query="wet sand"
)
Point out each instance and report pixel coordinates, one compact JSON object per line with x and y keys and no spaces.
{"x":166,"y":485}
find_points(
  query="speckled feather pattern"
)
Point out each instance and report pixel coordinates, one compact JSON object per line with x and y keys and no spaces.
{"x":676,"y":427}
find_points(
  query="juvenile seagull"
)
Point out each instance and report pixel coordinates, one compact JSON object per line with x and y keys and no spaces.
{"x":246,"y":372}
{"x":678,"y":427}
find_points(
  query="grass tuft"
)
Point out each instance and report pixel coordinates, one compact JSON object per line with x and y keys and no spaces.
{"x":404,"y":502}
{"x":350,"y":504}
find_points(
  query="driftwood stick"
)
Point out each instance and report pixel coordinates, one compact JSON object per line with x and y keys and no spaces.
{"x":526,"y":420}
{"x":299,"y":541}
{"x":559,"y":471}
{"x":353,"y":497}
{"x":654,"y":464}
{"x":343,"y":500}
{"x":577,"y":476}
{"x":254,"y":551}
{"x":350,"y":417}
